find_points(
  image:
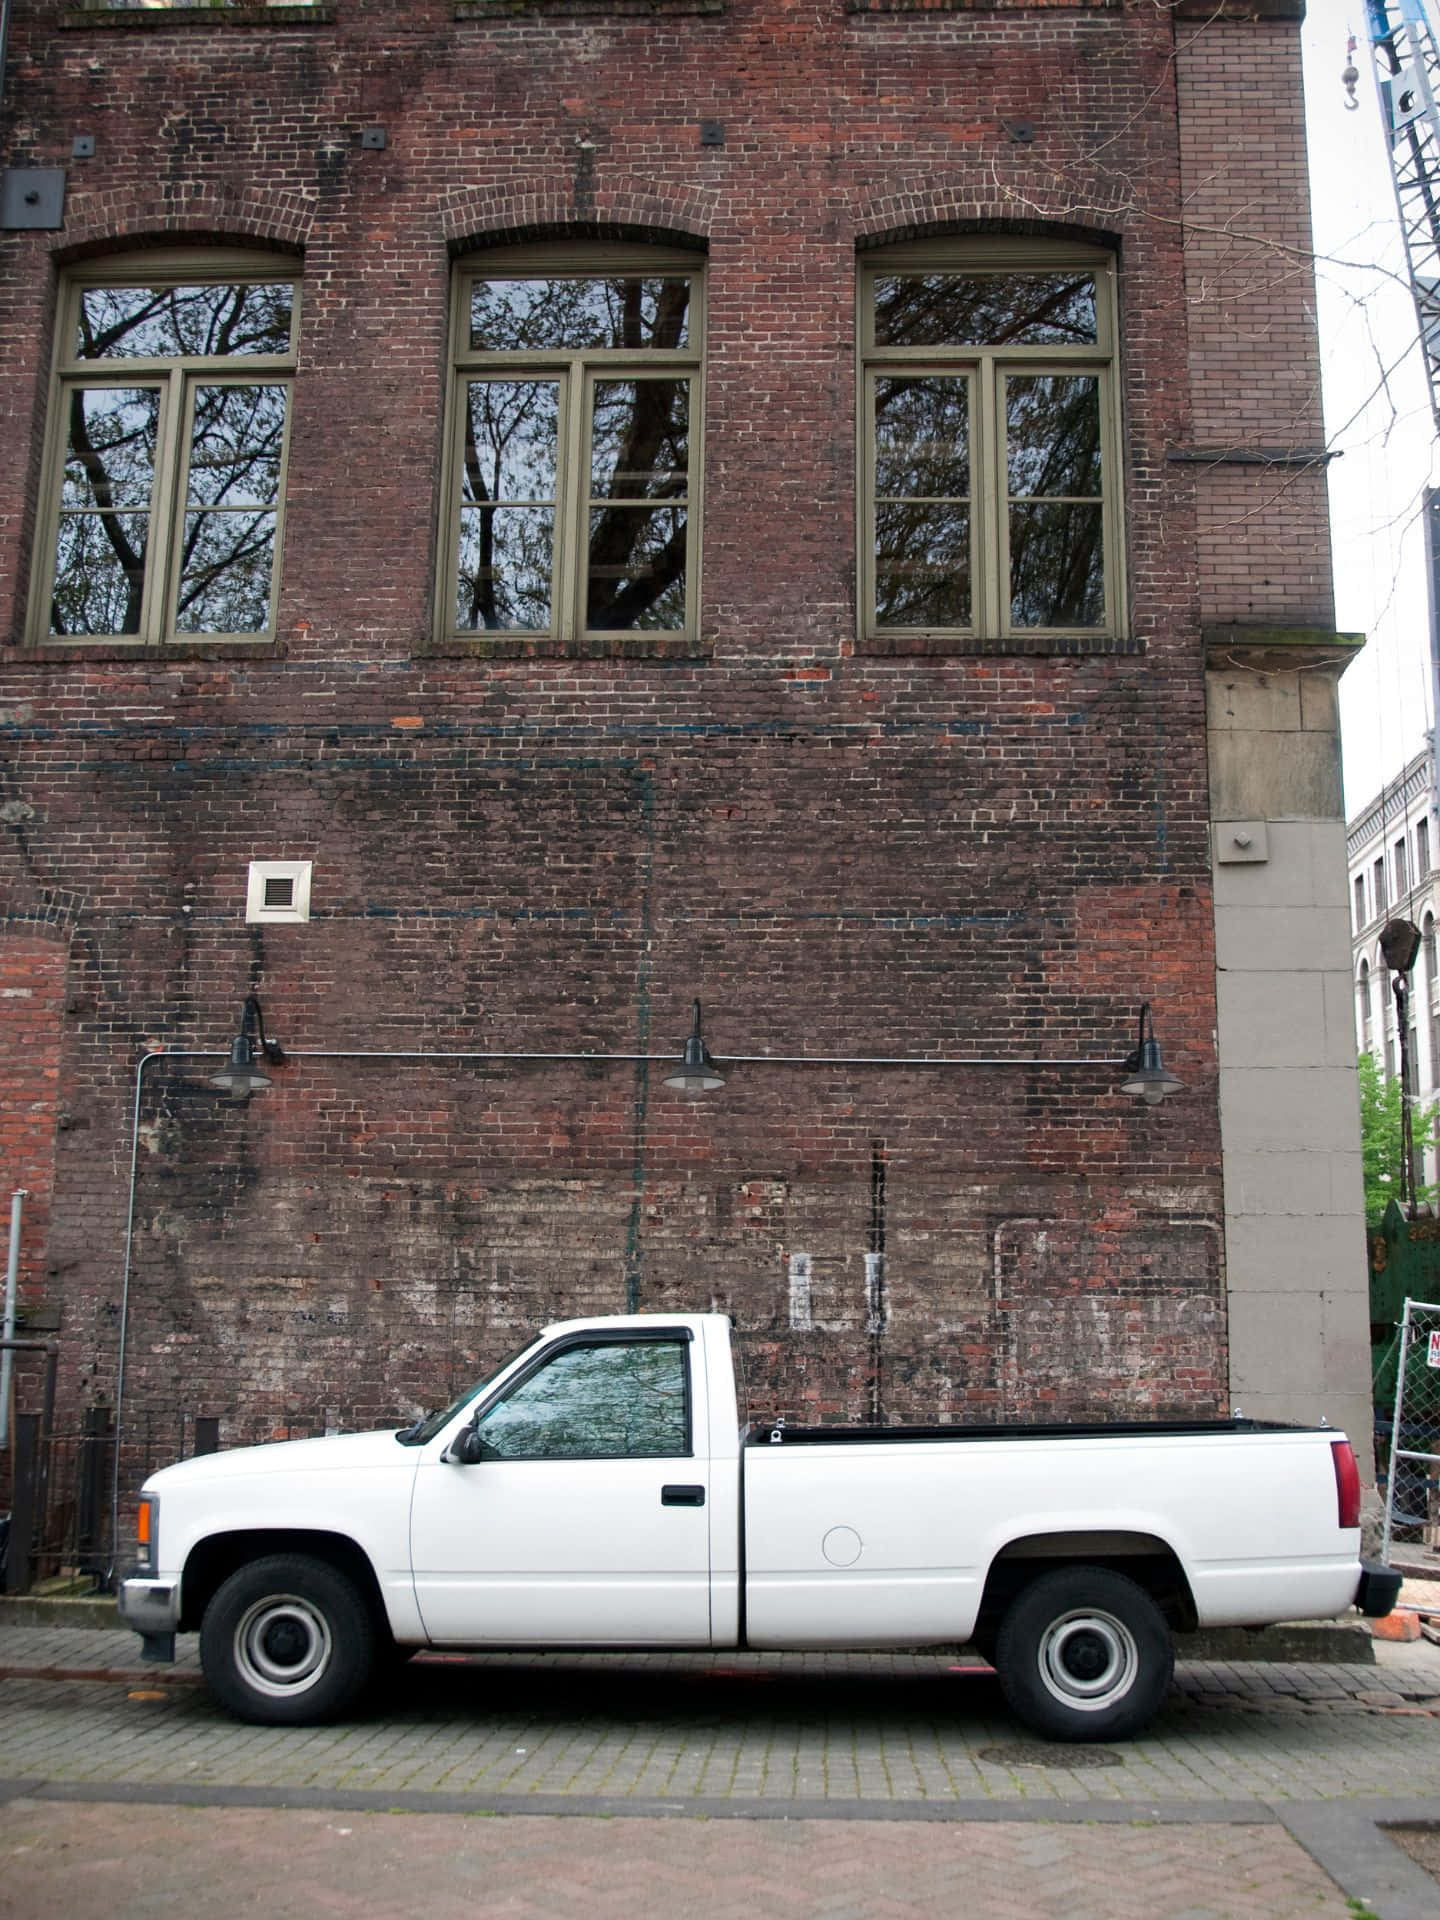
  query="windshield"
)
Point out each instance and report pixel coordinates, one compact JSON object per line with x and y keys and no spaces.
{"x":429,"y":1424}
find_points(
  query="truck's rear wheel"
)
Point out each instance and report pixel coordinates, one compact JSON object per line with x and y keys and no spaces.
{"x":287,"y":1641}
{"x":1084,"y":1654}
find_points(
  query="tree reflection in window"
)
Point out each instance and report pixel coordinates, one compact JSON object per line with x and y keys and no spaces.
{"x":1052,"y":440}
{"x":574,"y":467}
{"x":616,"y":1401}
{"x":180,"y":434}
{"x":987,"y":464}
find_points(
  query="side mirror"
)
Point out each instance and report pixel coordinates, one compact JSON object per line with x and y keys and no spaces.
{"x":467,"y":1449}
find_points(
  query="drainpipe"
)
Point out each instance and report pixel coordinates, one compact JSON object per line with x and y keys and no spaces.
{"x":4,"y":44}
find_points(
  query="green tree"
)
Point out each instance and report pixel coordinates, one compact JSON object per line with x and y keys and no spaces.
{"x":1380,"y":1136}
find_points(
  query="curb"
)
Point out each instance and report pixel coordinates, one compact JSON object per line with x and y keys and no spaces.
{"x":90,"y":1613}
{"x":1336,"y":1643}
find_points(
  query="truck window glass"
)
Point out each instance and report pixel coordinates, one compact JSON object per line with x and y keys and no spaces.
{"x":595,"y":1402}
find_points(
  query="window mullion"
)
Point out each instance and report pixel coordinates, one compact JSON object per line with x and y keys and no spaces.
{"x":869,"y":489}
{"x":991,"y":503}
{"x":1110,"y":519}
{"x":162,"y":566}
{"x":572,"y":530}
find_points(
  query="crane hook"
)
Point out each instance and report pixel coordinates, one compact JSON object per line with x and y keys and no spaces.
{"x":1350,"y":77}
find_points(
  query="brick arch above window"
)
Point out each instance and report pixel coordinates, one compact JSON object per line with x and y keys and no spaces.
{"x":522,"y":212}
{"x":139,"y":215}
{"x":927,"y":208}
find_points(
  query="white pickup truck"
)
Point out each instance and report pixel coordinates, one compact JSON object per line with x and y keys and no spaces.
{"x":598,"y":1491}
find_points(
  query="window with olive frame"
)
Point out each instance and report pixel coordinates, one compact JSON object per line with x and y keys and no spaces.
{"x":573,"y":456}
{"x":990,"y":487}
{"x":169,"y":416}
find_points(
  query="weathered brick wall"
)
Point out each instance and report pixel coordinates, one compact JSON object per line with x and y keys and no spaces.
{"x":1264,"y":548}
{"x":841,"y":854}
{"x":32,"y":993}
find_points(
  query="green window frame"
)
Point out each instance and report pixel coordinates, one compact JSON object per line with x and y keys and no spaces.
{"x":989,"y":482}
{"x":573,"y":449}
{"x":163,"y":502}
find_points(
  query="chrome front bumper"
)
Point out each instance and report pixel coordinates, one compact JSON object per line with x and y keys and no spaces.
{"x":152,"y":1608}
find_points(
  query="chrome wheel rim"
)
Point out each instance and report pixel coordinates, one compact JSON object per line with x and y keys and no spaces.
{"x":1088,"y":1659}
{"x":282,"y":1645}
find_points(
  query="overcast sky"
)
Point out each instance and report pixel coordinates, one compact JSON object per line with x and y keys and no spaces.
{"x":1377,"y":411}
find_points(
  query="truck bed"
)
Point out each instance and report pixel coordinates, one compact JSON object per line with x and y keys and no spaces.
{"x":780,"y":1433}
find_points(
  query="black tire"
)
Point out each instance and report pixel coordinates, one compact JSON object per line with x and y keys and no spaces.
{"x":1084,"y":1654}
{"x":287,"y":1641}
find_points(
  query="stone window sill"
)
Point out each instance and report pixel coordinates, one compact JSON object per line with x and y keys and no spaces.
{"x":968,"y":646}
{"x":148,"y":19}
{"x":642,"y":646}
{"x":982,"y":6}
{"x":176,"y":654}
{"x":582,"y":9}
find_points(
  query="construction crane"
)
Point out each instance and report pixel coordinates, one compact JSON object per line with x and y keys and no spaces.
{"x":1407,"y":79}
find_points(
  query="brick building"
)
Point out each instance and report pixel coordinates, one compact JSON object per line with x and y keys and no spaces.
{"x":1392,"y":877}
{"x":515,"y":517}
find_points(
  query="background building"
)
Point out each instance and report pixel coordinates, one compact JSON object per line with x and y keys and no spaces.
{"x":512,"y":518}
{"x":1390,"y":845}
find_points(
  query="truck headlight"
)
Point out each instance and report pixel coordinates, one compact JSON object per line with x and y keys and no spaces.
{"x":147,"y":1533}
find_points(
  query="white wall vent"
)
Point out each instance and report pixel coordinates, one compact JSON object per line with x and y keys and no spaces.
{"x":279,"y":890}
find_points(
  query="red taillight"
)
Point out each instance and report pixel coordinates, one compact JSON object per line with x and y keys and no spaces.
{"x":1347,"y":1482}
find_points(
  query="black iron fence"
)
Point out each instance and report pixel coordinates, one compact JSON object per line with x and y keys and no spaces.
{"x":61,"y":1484}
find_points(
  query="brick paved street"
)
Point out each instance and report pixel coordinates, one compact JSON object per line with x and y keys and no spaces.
{"x":872,"y":1728}
{"x":805,"y":1785}
{"x":129,"y":1861}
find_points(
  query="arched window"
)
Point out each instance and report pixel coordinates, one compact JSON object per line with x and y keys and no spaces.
{"x":573,"y":463}
{"x":169,"y":415}
{"x":990,"y":484}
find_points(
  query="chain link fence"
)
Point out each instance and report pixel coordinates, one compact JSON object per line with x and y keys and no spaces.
{"x":1412,"y":1484}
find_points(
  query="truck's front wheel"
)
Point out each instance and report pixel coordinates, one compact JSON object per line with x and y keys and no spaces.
{"x":287,"y":1641}
{"x":1084,"y":1654}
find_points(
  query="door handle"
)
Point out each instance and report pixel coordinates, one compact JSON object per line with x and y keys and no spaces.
{"x":682,"y":1496}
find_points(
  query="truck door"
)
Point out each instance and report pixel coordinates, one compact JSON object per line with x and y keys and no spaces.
{"x":585,"y":1519}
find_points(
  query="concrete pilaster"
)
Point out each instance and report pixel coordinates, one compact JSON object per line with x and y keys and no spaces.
{"x":1289,"y":1103}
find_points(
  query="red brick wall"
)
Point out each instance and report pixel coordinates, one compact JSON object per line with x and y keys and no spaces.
{"x":32,"y":995}
{"x":840,"y":854}
{"x":1264,"y":545}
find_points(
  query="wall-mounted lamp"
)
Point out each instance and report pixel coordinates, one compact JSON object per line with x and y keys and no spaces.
{"x":697,"y":1072}
{"x":1147,"y":1076}
{"x":240,"y":1076}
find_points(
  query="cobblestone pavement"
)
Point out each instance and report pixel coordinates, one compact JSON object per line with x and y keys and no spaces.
{"x":871,"y":1727}
{"x":1270,"y":1776}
